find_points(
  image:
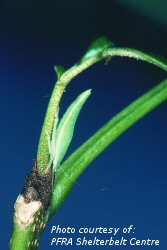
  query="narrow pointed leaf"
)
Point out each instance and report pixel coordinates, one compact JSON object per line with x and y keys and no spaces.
{"x":59,"y":70}
{"x":101,"y":49}
{"x":94,"y":146}
{"x":66,"y":128}
{"x":97,"y":47}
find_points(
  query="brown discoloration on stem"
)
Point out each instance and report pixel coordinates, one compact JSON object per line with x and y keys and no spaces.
{"x":37,"y":187}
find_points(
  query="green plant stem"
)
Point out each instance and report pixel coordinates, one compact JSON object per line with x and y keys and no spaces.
{"x":21,"y":238}
{"x":72,"y":168}
{"x":136,"y":54}
{"x":63,"y":81}
{"x":25,"y":238}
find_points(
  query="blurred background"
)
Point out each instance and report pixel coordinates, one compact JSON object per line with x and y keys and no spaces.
{"x":127,"y":184}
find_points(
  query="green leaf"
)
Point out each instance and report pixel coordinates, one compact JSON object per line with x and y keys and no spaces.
{"x":59,"y":70}
{"x":76,"y":163}
{"x":97,"y":47}
{"x":100,"y":50}
{"x":65,"y":129}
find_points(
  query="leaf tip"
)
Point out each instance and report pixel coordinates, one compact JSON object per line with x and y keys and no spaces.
{"x":87,"y":93}
{"x":98,"y":46}
{"x":59,"y":70}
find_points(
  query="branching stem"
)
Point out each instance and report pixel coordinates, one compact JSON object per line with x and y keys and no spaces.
{"x":64,"y":80}
{"x":30,"y":218}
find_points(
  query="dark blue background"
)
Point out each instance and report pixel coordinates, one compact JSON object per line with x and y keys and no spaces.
{"x":127,"y":184}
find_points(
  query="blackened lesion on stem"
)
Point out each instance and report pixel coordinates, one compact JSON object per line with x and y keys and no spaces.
{"x":37,"y":187}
